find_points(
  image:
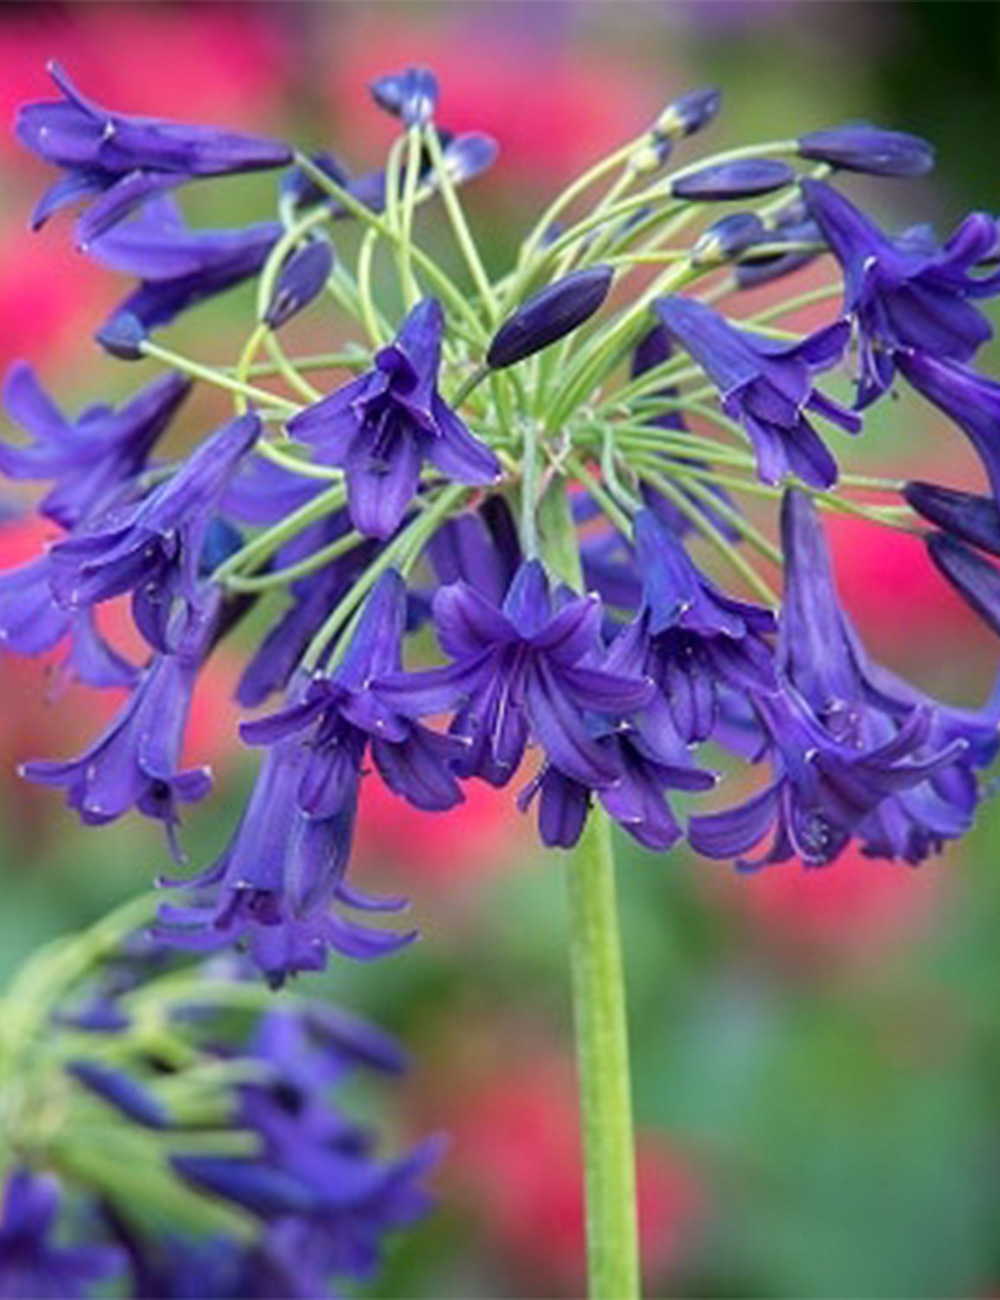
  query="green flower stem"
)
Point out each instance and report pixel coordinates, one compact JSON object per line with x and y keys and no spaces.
{"x":529,"y":490}
{"x":695,"y":487}
{"x":295,"y":464}
{"x":369,"y":313}
{"x":463,"y":235}
{"x":469,"y":385}
{"x":651,"y":473}
{"x":292,"y":572}
{"x":595,"y":489}
{"x":288,"y":371}
{"x":265,"y":544}
{"x":408,"y":282}
{"x":599,"y":1011}
{"x":219,"y":378}
{"x":353,"y":358}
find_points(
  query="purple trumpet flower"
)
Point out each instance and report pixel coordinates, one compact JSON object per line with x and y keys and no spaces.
{"x":344,"y":717}
{"x":412,"y":95}
{"x":178,"y":267}
{"x":766,"y":384}
{"x":301,"y":279}
{"x":901,"y":294}
{"x":861,"y":147}
{"x":691,"y":638}
{"x":136,"y":762}
{"x":970,"y":399}
{"x":31,"y":1264}
{"x":120,"y":162}
{"x":549,"y":315}
{"x":856,"y":752}
{"x":153,"y":547}
{"x":530,"y":669}
{"x":90,"y":459}
{"x":742,"y":179}
{"x":382,"y":426}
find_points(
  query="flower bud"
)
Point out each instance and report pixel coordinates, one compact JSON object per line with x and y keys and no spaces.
{"x":469,"y":155}
{"x":861,"y":147}
{"x":303,"y":190}
{"x":975,"y":519}
{"x":412,"y":95}
{"x":727,"y":238}
{"x":123,"y":336}
{"x":975,"y":579}
{"x":753,"y":270}
{"x":300,"y":280}
{"x":549,"y":315}
{"x":689,"y":113}
{"x":651,"y":154}
{"x":741,"y":179}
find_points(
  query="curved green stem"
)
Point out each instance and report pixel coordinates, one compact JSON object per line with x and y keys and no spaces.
{"x":599,"y":1012}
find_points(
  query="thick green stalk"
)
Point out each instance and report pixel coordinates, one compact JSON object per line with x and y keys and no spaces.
{"x":599,"y":1010}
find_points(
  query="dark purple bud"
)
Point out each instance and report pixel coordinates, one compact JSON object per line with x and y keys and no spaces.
{"x":119,"y":1090}
{"x":122,"y":336}
{"x":267,"y":1191}
{"x":300,"y":280}
{"x":861,"y":147}
{"x":549,"y":315}
{"x":741,"y":179}
{"x":689,"y":113}
{"x":975,"y":579}
{"x":412,"y":95}
{"x":974,"y":519}
{"x":727,"y":238}
{"x":468,"y":156}
{"x":652,"y":154}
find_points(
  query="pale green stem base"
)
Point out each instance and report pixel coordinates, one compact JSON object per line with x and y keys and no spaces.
{"x":602,"y":1062}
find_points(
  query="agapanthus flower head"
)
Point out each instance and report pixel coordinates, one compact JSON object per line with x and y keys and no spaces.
{"x":741,"y":179}
{"x":529,"y":669}
{"x":412,"y":94}
{"x":861,"y":147}
{"x":301,"y":279}
{"x":179,"y":267}
{"x":153,"y":547}
{"x":34,"y":1266}
{"x":766,"y":384}
{"x":900,"y":295}
{"x":92,"y":458}
{"x":382,"y":426}
{"x":120,"y":162}
{"x":136,"y":763}
{"x":549,"y":315}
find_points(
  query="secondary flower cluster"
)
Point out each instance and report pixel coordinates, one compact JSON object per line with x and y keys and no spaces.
{"x":255,"y":1181}
{"x":479,"y":463}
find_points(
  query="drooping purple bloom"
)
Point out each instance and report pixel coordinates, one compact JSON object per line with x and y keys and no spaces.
{"x":32,"y":1265}
{"x":968,"y":398}
{"x":412,"y":94}
{"x":91,"y":458}
{"x":766,"y":384}
{"x":178,"y":267}
{"x":861,"y":147}
{"x":902,"y":295}
{"x":974,"y":577}
{"x":136,"y":763}
{"x":301,"y":279}
{"x":549,"y":315}
{"x":742,"y":179}
{"x":382,"y":426}
{"x":120,"y":162}
{"x":971,"y":518}
{"x":529,"y":669}
{"x":341,"y":717}
{"x":153,"y":547}
{"x":856,"y":753}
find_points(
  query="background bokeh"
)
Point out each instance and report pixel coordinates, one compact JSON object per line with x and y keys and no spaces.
{"x":817,"y":1056}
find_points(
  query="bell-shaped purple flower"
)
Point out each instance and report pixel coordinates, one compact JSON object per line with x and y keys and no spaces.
{"x":861,"y":147}
{"x":178,"y":267}
{"x":382,"y":426}
{"x":530,"y":669}
{"x":902,"y":295}
{"x":92,"y":458}
{"x":301,"y":279}
{"x":32,"y":1265}
{"x":766,"y":384}
{"x":974,"y":577}
{"x":968,"y":398}
{"x":120,"y":162}
{"x":153,"y":547}
{"x":549,"y":315}
{"x":412,"y":95}
{"x":341,"y":717}
{"x":136,"y":763}
{"x":963,"y":515}
{"x":741,"y":179}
